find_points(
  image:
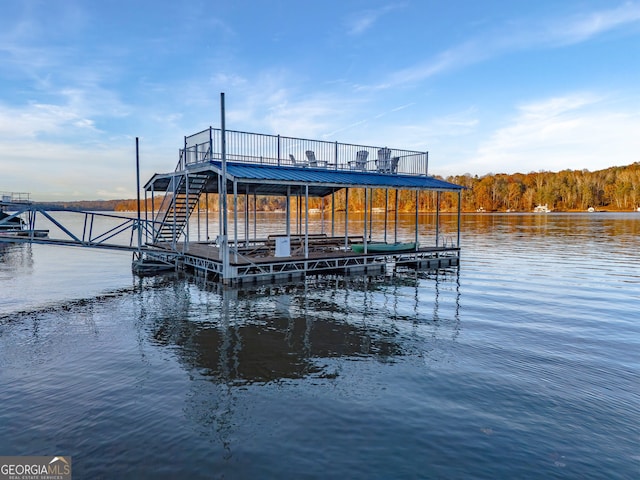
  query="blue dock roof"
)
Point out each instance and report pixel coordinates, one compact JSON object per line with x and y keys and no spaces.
{"x":269,"y":179}
{"x":274,"y":180}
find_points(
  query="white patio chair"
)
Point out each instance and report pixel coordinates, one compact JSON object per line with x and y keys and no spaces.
{"x":295,"y":163}
{"x":360,"y":162}
{"x":384,"y":160}
{"x":313,"y":162}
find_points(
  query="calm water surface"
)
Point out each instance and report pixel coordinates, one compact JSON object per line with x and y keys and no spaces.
{"x":524,"y":363}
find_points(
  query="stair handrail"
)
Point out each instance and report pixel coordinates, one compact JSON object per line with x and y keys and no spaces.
{"x":177,"y":190}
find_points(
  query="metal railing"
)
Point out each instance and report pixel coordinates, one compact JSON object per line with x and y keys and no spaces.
{"x":15,"y":197}
{"x":80,"y":228}
{"x":256,"y":148}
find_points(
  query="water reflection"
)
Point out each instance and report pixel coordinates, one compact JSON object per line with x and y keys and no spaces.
{"x":241,"y":348}
{"x":608,"y":224}
{"x":355,"y":376}
{"x":289,"y":331}
{"x":15,"y":256}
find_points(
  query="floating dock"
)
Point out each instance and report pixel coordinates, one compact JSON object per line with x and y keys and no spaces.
{"x":12,"y":223}
{"x":236,"y":168}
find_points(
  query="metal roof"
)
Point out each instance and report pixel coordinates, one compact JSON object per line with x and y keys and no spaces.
{"x":274,"y":180}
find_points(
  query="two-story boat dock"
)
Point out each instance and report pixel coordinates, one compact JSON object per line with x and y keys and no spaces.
{"x":237,"y":168}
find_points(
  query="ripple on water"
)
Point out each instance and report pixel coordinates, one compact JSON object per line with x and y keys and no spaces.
{"x":523,"y":364}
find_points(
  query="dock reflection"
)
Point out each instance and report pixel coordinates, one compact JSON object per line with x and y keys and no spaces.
{"x":281,"y":332}
{"x":15,"y":256}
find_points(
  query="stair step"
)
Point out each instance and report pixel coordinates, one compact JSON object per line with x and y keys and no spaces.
{"x":185,"y":200}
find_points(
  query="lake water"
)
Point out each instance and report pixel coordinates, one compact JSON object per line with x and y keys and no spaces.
{"x":523,"y":363}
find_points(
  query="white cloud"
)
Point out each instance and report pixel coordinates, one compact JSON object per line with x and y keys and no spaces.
{"x":583,"y":27}
{"x":516,"y":37}
{"x":364,"y":20}
{"x":572,"y":132}
{"x":38,"y":118}
{"x":66,"y":171}
{"x":270,"y":102}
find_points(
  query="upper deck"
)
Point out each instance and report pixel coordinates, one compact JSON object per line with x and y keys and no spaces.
{"x":281,"y":151}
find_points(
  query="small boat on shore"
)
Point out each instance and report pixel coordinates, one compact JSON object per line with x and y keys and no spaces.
{"x":542,"y":209}
{"x":381,"y":247}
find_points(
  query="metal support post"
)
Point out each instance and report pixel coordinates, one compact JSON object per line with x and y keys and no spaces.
{"x":306,"y":221}
{"x":288,"y":212}
{"x":346,"y":219}
{"x":366,"y":200}
{"x":185,"y":244}
{"x":139,"y":226}
{"x":333,"y":216}
{"x":370,"y":213}
{"x":224,"y":245}
{"x":438,"y":218}
{"x":235,"y":219}
{"x":206,"y":215}
{"x":416,"y":229}
{"x":459,"y":211}
{"x":386,"y":212}
{"x":395,"y":223}
{"x":246,"y":216}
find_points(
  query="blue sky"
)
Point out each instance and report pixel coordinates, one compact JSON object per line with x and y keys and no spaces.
{"x":484,"y":86}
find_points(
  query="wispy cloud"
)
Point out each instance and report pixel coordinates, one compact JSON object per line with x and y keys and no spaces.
{"x":75,"y":112}
{"x":457,"y":57}
{"x":580,"y":130}
{"x":518,"y":36}
{"x":86,"y":170}
{"x":585,"y":26}
{"x":39,"y":118}
{"x":274,"y":101}
{"x":362,"y":21}
{"x":364,"y":121}
{"x":30,"y":41}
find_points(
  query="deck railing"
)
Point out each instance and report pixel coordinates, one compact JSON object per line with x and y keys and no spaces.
{"x":15,"y":197}
{"x":256,"y":148}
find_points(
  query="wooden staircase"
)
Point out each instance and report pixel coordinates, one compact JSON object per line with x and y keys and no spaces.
{"x":173,"y":219}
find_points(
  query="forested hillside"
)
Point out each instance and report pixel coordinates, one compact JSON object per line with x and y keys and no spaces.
{"x":616,"y":188}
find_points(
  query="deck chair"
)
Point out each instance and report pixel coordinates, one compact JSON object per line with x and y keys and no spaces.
{"x":295,"y":163}
{"x":394,"y":164}
{"x":311,"y":158}
{"x":384,"y":160}
{"x":313,"y":162}
{"x":360,"y":162}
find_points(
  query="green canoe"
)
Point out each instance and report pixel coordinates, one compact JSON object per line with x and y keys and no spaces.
{"x":376,"y":247}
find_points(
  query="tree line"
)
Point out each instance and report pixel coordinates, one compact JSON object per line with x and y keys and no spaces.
{"x":615,"y":188}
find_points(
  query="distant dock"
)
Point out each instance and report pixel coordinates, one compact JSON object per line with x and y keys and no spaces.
{"x":12,"y":223}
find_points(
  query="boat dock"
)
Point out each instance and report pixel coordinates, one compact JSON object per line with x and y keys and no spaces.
{"x":12,"y":223}
{"x":233,"y":169}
